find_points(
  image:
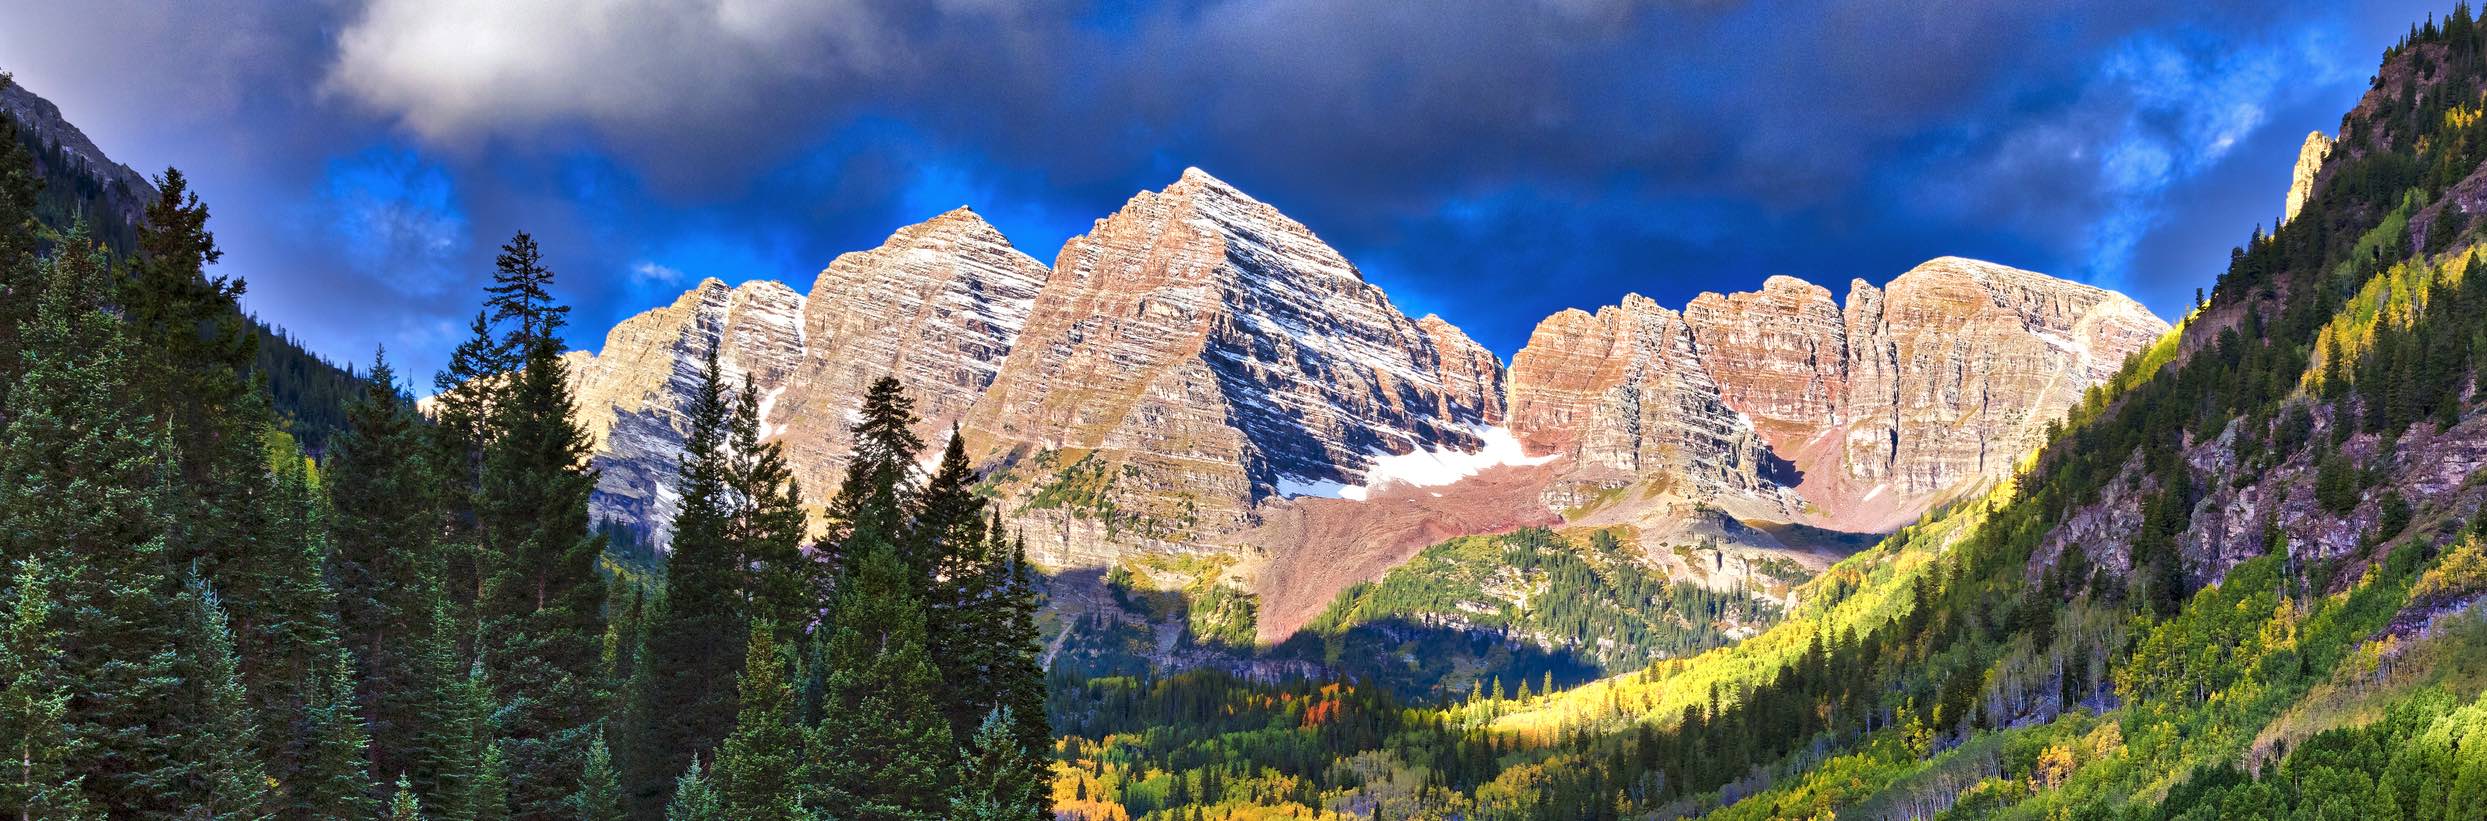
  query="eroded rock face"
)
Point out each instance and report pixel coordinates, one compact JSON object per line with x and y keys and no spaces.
{"x":632,"y":395}
{"x":1777,"y":355}
{"x":1193,"y":356}
{"x":1854,"y":417}
{"x":1625,"y":396}
{"x":1966,"y":363}
{"x":2310,"y":159}
{"x":1203,"y":352}
{"x":939,"y":305}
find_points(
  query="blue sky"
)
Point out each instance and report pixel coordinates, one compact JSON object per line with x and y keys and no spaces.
{"x":1492,"y":161}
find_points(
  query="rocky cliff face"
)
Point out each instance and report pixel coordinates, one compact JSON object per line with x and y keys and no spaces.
{"x":1625,"y":395}
{"x":2310,"y":159}
{"x":125,"y":191}
{"x":1195,"y":355}
{"x":937,"y":304}
{"x":1784,"y":405}
{"x":1198,"y":352}
{"x":632,"y":395}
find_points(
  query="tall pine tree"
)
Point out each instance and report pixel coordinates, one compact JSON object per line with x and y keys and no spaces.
{"x":958,"y":577}
{"x":227,"y":779}
{"x":756,"y":769}
{"x":1018,"y":679}
{"x":769,"y":526}
{"x":876,"y":498}
{"x":331,"y":753}
{"x":21,"y":274}
{"x":81,"y":478}
{"x":542,"y":605}
{"x":696,"y":631}
{"x":389,"y":591}
{"x":882,"y":750}
{"x":600,"y":784}
{"x":993,"y":777}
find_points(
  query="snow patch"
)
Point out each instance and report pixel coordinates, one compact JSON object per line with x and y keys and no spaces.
{"x":768,"y":402}
{"x":1293,"y":487}
{"x":1434,"y":468}
{"x":1422,"y":468}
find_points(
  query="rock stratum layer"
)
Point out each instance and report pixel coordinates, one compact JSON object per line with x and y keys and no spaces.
{"x":1197,"y":363}
{"x":1784,"y":405}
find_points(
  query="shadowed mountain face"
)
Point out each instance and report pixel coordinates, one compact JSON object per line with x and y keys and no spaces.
{"x":1200,"y":373}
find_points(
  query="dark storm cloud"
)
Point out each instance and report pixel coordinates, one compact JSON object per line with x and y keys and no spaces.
{"x":1490,"y":160}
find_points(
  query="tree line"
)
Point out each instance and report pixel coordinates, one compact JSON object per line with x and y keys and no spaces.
{"x":199,"y":620}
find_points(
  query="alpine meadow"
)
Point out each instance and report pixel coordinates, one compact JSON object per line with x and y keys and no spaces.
{"x":484,"y":457}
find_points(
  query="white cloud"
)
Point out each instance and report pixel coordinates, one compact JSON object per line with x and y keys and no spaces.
{"x":460,"y":70}
{"x":457,"y":69}
{"x":646,"y":271}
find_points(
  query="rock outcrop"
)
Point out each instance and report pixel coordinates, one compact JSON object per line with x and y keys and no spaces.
{"x":124,"y":192}
{"x":2310,"y":159}
{"x":1625,"y":395}
{"x":1198,"y":352}
{"x":632,"y":395}
{"x":1784,"y":405}
{"x":938,"y":305}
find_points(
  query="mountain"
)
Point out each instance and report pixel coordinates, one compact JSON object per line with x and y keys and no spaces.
{"x":1198,"y":353}
{"x":1199,"y":374}
{"x":79,"y":180}
{"x":2243,"y":577}
{"x":939,"y":304}
{"x":81,"y":183}
{"x":1783,"y":405}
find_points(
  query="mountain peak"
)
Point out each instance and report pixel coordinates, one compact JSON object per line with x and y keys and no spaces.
{"x":1195,"y":181}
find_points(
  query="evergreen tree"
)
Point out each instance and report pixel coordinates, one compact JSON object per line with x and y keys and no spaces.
{"x":199,"y":345}
{"x":331,"y":753}
{"x":1019,"y":678}
{"x":882,"y":750}
{"x":467,"y":391}
{"x":456,"y":728}
{"x":781,"y":583}
{"x":391,"y":605}
{"x":693,"y":799}
{"x":993,"y":778}
{"x":755,"y":773}
{"x":961,"y":577}
{"x":228,"y":780}
{"x":404,"y":805}
{"x":522,"y":290}
{"x":286,"y":632}
{"x":80,"y":481}
{"x":600,"y":785}
{"x":876,"y":497}
{"x":35,"y":777}
{"x":491,"y":784}
{"x":697,"y":630}
{"x":542,"y":607}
